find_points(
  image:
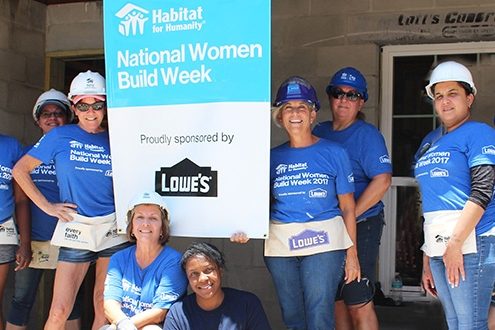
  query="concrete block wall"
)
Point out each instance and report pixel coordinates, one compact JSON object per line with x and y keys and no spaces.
{"x":311,"y":38}
{"x":74,"y":27}
{"x":22,"y":55}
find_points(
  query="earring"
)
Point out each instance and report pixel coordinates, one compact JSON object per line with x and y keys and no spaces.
{"x":161,"y":236}
{"x":132,"y":235}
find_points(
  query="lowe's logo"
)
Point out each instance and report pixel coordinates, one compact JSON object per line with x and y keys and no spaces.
{"x":318,"y":193}
{"x":186,"y":179}
{"x":439,"y":173}
{"x":385,"y":159}
{"x":132,"y":19}
{"x":308,"y":238}
{"x":488,"y":150}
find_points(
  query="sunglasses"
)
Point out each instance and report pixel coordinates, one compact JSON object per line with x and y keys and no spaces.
{"x":337,"y":93}
{"x":83,"y":107}
{"x":55,"y":114}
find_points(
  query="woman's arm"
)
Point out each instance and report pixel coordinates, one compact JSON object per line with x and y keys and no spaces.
{"x":113,"y":311}
{"x":427,"y":277}
{"x":23,"y":220}
{"x":347,"y":206}
{"x":482,"y":184}
{"x":453,"y":258}
{"x":22,"y":174}
{"x":373,"y":193}
{"x":116,"y":316}
{"x":149,"y":316}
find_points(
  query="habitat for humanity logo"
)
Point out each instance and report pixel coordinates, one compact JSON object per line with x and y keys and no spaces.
{"x":132,"y":19}
{"x":186,"y":179}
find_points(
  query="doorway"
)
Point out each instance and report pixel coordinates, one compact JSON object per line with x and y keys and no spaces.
{"x":407,"y":115}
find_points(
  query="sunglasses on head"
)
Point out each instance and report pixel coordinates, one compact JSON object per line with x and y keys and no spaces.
{"x":83,"y":107}
{"x":337,"y":93}
{"x":55,"y":114}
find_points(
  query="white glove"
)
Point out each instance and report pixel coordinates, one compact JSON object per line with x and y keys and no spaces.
{"x":126,"y":324}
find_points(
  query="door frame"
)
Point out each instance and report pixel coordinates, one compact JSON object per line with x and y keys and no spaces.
{"x":386,"y":268}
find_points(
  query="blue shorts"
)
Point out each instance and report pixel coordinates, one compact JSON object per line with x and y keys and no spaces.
{"x":77,"y":255}
{"x":369,"y":233}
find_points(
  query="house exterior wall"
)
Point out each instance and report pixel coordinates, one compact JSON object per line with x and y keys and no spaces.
{"x":311,"y":38}
{"x":22,"y":55}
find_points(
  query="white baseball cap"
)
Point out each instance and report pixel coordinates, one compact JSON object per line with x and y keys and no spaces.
{"x":147,"y":197}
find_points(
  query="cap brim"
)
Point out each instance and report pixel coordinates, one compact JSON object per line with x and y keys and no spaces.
{"x":78,"y":98}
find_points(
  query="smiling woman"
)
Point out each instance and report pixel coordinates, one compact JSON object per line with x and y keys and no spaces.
{"x":211,"y":306}
{"x":144,"y":280}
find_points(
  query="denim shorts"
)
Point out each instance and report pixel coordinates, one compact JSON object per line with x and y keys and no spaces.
{"x":7,"y":253}
{"x":369,"y":233}
{"x":77,"y":255}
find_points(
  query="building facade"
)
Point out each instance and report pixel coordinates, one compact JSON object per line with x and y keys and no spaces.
{"x":394,"y":43}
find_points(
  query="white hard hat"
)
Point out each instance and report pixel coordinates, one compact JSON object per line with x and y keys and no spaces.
{"x":450,"y":71}
{"x":52,"y":96}
{"x":87,"y":83}
{"x":147,"y":197}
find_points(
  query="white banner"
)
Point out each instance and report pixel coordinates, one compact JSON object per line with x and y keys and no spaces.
{"x":189,"y":111}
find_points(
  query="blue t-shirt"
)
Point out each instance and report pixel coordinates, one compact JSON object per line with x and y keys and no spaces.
{"x":157,"y":286}
{"x":10,"y":152}
{"x":84,"y":167}
{"x":45,"y":179}
{"x":367,"y":152}
{"x":443,"y":171}
{"x":305,"y":182}
{"x":240,"y":310}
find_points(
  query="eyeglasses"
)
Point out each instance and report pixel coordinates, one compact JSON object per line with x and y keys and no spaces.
{"x":55,"y":114}
{"x":83,"y":107}
{"x":337,"y":93}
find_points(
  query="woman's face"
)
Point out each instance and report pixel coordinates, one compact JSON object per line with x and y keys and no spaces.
{"x":297,"y":115}
{"x":343,"y":109}
{"x":452,"y":105}
{"x":90,"y":118}
{"x":147,"y":223}
{"x":51,"y":116}
{"x":205,"y":278}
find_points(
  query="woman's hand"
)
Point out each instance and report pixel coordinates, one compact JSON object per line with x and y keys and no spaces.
{"x":239,"y":237}
{"x":23,"y":256}
{"x":352,"y":267}
{"x":62,"y":211}
{"x":427,"y":277}
{"x":454,"y":263}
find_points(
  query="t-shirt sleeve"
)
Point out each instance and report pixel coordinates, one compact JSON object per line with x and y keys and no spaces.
{"x":481,"y":148}
{"x":172,"y":286}
{"x":171,"y":320}
{"x":113,"y":282}
{"x":44,"y":149}
{"x":376,"y":159}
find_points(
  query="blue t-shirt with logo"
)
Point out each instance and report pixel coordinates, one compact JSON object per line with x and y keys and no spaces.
{"x":443,"y":171}
{"x":305,"y":181}
{"x":45,"y":179}
{"x":158,"y":285}
{"x":367,"y":152}
{"x":10,"y":152}
{"x":84,"y":167}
